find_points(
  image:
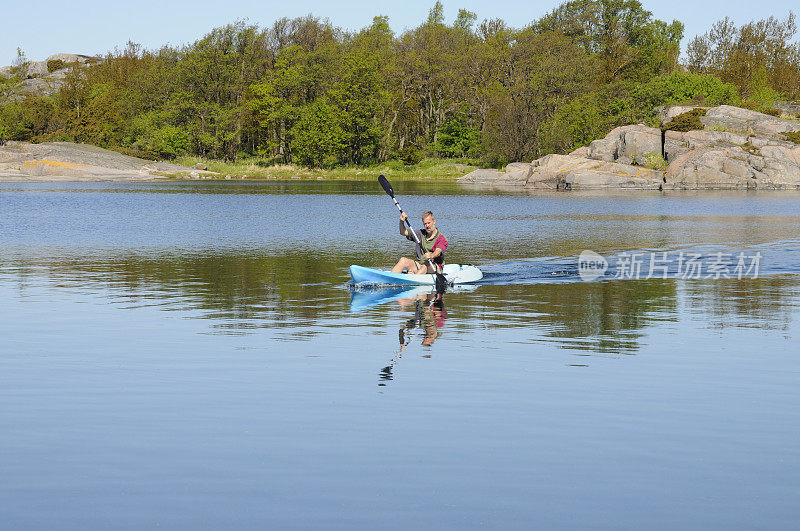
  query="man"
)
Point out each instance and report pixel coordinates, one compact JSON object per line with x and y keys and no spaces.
{"x":434,"y":244}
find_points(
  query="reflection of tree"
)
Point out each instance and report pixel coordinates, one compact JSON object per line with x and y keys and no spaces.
{"x":766,"y":302}
{"x":301,"y":292}
{"x":601,"y":316}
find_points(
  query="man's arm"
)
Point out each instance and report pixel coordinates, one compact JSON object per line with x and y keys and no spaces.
{"x":403,"y":229}
{"x":433,"y":254}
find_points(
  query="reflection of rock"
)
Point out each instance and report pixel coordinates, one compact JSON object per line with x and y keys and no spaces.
{"x":491,"y":178}
{"x":745,"y":150}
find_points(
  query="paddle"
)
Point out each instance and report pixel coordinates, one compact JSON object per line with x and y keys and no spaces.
{"x":440,"y":281}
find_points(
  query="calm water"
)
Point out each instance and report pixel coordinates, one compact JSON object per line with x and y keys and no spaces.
{"x":191,"y":355}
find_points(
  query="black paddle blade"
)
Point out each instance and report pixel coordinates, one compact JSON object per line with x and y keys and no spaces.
{"x":441,"y":283}
{"x":386,"y":186}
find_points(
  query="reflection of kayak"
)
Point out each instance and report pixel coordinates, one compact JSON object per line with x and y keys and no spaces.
{"x":364,"y":299}
{"x":454,"y":273}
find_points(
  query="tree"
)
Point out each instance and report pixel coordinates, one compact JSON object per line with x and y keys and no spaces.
{"x":758,"y":56}
{"x":319,"y":139}
{"x":628,"y":41}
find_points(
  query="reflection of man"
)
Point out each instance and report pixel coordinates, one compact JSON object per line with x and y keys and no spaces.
{"x":429,"y":314}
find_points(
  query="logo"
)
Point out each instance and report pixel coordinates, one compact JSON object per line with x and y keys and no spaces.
{"x":591,"y":266}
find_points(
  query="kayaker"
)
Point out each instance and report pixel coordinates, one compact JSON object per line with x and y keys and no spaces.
{"x":434,"y":244}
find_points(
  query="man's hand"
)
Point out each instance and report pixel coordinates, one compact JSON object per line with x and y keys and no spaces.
{"x":403,"y":216}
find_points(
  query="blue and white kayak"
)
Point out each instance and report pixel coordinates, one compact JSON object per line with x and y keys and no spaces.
{"x":454,"y":273}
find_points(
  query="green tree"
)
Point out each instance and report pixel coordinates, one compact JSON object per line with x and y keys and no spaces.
{"x":757,"y":56}
{"x":628,"y":41}
{"x":319,"y":139}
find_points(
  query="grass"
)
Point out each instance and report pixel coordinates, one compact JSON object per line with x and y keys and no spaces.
{"x":261,"y":169}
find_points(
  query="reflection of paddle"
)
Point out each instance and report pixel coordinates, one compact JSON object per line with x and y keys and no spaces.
{"x":441,"y":282}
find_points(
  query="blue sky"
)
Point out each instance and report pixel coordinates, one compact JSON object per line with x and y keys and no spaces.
{"x":93,"y":27}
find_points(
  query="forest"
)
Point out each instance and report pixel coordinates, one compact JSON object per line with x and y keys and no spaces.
{"x":303,"y":91}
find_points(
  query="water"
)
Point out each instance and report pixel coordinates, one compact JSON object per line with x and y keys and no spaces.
{"x":191,"y":355}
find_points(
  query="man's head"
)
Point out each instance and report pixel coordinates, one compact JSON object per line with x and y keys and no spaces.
{"x":428,"y":220}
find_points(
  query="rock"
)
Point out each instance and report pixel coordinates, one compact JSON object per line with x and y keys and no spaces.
{"x":674,"y":145}
{"x":604,"y":149}
{"x":194,"y":175}
{"x":696,"y":139}
{"x":731,"y":167}
{"x":702,"y":168}
{"x":69,"y":58}
{"x":786,"y":107}
{"x":567,"y":172}
{"x":227,"y":177}
{"x":582,"y":151}
{"x":745,"y":120}
{"x":632,"y":142}
{"x":637,"y":141}
{"x":518,"y":171}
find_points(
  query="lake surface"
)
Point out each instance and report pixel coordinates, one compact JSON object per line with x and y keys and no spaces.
{"x":191,"y":355}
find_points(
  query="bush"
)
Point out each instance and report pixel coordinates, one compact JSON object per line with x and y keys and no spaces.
{"x":138,"y":153}
{"x":772,"y":111}
{"x":688,"y":121}
{"x":55,"y":64}
{"x":411,"y":155}
{"x":793,"y":137}
{"x":655,"y":161}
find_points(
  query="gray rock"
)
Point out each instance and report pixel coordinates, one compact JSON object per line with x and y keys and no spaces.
{"x":582,"y":151}
{"x":604,"y":149}
{"x":567,"y":172}
{"x":518,"y":171}
{"x":697,"y":139}
{"x":637,"y":141}
{"x":730,"y":167}
{"x":194,"y":175}
{"x":791,"y":108}
{"x":745,"y":120}
{"x":674,"y":145}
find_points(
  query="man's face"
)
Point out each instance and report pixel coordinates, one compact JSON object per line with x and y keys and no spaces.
{"x":429,"y":222}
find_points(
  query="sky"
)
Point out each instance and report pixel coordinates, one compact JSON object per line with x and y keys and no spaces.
{"x":94,"y":27}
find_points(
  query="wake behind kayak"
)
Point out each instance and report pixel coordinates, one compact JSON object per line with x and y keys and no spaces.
{"x":453,"y":274}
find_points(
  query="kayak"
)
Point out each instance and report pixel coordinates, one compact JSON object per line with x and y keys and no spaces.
{"x":454,"y":273}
